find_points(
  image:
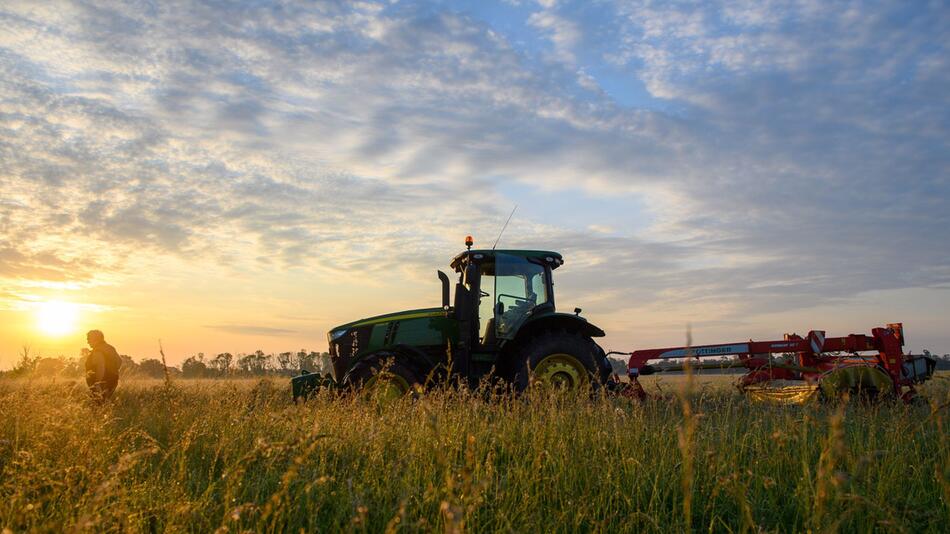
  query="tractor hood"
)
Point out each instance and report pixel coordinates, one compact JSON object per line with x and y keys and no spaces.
{"x":425,"y":327}
{"x":387,"y":317}
{"x":336,"y":334}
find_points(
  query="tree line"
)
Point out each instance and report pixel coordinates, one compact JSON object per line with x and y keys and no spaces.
{"x":223,"y":365}
{"x":256,"y":363}
{"x":228,"y":365}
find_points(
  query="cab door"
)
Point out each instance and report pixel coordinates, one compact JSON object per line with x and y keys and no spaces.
{"x":521,"y":286}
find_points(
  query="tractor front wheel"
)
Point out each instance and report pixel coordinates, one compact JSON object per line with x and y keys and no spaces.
{"x":560,"y":360}
{"x":383,"y":377}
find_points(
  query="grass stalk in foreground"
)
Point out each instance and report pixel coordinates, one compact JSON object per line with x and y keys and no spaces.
{"x":238,"y":455}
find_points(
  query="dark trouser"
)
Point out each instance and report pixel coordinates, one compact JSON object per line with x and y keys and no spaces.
{"x":102,"y":389}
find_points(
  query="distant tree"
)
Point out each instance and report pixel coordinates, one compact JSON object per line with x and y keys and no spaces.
{"x":152,"y":368}
{"x":194,"y":367}
{"x":285,"y":361}
{"x":306,"y":360}
{"x":74,"y":367}
{"x":261,"y":362}
{"x":27,"y":362}
{"x":128,"y":367}
{"x":222,"y":363}
{"x":244,"y":362}
{"x":943,"y":362}
{"x":49,"y":366}
{"x":326,"y":364}
{"x":256,"y":363}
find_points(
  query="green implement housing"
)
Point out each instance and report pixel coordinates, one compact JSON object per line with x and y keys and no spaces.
{"x":502,"y":326}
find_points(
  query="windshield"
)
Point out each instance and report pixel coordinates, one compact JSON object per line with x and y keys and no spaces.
{"x":520,"y":286}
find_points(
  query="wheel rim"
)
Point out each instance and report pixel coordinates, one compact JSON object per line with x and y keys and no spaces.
{"x":561,"y":371}
{"x":386,"y":387}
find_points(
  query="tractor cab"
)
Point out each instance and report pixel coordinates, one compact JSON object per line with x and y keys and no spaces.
{"x":499,"y":290}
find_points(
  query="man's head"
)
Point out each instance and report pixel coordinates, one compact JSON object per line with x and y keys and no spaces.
{"x":95,"y":337}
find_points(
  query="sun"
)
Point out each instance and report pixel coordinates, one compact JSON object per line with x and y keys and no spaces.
{"x":57,"y":318}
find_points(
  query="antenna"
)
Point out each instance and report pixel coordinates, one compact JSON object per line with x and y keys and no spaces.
{"x":503,"y":227}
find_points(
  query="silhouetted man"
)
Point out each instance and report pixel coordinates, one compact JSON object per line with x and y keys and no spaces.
{"x":102,"y":366}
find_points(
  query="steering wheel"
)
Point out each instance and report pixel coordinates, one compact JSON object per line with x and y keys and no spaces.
{"x":518,"y":300}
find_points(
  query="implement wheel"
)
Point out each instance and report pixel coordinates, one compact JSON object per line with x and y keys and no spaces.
{"x":560,"y":360}
{"x":383,"y":377}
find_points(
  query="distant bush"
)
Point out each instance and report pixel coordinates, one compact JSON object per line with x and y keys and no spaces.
{"x":152,"y":368}
{"x":194,"y":367}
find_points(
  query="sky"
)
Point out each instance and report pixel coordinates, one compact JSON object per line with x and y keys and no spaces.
{"x":228,"y":176}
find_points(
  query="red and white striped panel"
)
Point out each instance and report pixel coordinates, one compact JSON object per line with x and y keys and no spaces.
{"x":817,"y":340}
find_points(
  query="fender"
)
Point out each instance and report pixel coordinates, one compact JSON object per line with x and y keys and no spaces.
{"x":566,"y":321}
{"x":423,"y":363}
{"x":418,"y":361}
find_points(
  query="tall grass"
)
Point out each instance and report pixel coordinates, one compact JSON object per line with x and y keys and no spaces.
{"x":231,"y":456}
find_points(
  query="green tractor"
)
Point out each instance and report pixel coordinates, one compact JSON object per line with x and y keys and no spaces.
{"x":502,"y":326}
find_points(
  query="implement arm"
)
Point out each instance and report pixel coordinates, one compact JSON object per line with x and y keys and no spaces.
{"x":813,"y":355}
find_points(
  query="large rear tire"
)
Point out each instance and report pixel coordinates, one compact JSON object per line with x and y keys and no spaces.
{"x":384,"y":377}
{"x":561,"y":360}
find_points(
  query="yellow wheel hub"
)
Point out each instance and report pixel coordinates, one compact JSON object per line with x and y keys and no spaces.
{"x":386,"y":387}
{"x":561,"y":371}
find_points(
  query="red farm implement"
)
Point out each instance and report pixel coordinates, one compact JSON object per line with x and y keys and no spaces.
{"x":798,"y":368}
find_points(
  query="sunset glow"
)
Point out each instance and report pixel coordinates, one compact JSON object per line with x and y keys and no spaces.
{"x":56,"y":318}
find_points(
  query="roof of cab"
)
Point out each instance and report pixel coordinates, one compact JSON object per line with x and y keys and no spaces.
{"x":556,"y":259}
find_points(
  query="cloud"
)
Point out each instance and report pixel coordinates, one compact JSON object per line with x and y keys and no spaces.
{"x":250,"y":330}
{"x":563,"y":33}
{"x":792,"y":153}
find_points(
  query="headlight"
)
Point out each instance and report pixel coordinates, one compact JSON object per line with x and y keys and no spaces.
{"x":336,"y":334}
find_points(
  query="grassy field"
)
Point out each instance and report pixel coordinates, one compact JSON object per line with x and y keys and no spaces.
{"x":231,"y":456}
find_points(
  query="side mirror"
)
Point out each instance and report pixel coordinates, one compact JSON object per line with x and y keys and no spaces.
{"x":445,"y":290}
